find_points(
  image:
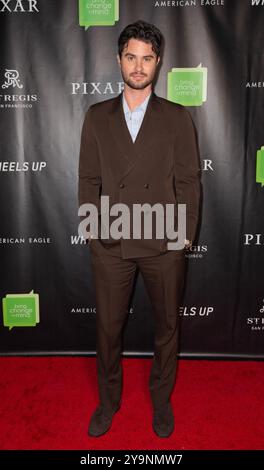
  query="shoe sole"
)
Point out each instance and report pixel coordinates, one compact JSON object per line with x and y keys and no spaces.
{"x":98,"y":435}
{"x":163,"y":435}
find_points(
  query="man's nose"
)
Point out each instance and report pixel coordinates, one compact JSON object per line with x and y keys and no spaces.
{"x":138,"y":65}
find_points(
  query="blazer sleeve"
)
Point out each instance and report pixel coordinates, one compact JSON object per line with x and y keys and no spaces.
{"x":89,"y":165}
{"x":187,"y":171}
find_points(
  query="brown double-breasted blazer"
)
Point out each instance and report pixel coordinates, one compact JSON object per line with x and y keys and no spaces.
{"x":161,"y":166}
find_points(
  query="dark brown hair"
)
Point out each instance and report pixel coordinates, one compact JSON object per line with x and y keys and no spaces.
{"x":144,"y":32}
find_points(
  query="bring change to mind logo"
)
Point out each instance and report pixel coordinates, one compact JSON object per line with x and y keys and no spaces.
{"x":20,"y":310}
{"x":98,"y":12}
{"x":187,"y":86}
{"x":260,"y":166}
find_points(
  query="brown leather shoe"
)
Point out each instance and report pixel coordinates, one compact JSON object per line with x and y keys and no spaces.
{"x":163,"y":421}
{"x":101,"y":421}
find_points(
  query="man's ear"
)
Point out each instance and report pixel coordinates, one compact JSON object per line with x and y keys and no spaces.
{"x":118,"y":60}
{"x":158,"y":59}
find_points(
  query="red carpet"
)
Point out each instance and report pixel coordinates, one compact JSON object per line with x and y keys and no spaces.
{"x":46,"y":403}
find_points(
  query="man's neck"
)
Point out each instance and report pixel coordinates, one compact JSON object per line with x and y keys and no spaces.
{"x":135,"y":97}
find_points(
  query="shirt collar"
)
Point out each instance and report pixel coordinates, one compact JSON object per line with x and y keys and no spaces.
{"x":141,"y":107}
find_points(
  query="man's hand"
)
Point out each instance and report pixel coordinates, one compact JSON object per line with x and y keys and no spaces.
{"x":188,"y":244}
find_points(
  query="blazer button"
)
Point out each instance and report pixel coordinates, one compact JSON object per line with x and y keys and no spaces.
{"x":146,"y":185}
{"x":121,"y":185}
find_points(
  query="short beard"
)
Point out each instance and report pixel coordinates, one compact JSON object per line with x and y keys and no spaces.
{"x":137,"y":86}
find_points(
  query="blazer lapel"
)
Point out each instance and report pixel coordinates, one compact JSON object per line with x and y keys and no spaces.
{"x":133,"y":151}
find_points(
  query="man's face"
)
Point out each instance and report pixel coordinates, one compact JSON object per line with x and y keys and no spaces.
{"x":138,"y":64}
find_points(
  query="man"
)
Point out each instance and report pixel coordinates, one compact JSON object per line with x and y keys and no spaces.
{"x":138,"y":148}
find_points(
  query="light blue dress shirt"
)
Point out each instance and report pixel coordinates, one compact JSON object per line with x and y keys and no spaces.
{"x":134,"y":118}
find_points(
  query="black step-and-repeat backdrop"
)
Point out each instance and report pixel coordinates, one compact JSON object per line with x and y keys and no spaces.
{"x":56,"y":59}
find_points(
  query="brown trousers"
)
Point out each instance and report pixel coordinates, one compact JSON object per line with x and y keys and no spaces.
{"x":163,"y":277}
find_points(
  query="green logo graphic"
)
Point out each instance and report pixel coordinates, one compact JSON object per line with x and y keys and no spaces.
{"x":260,"y":166}
{"x":188,"y":86}
{"x":21,"y":309}
{"x":98,"y":12}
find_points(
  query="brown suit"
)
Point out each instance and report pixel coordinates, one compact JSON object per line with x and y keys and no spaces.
{"x":162,"y":166}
